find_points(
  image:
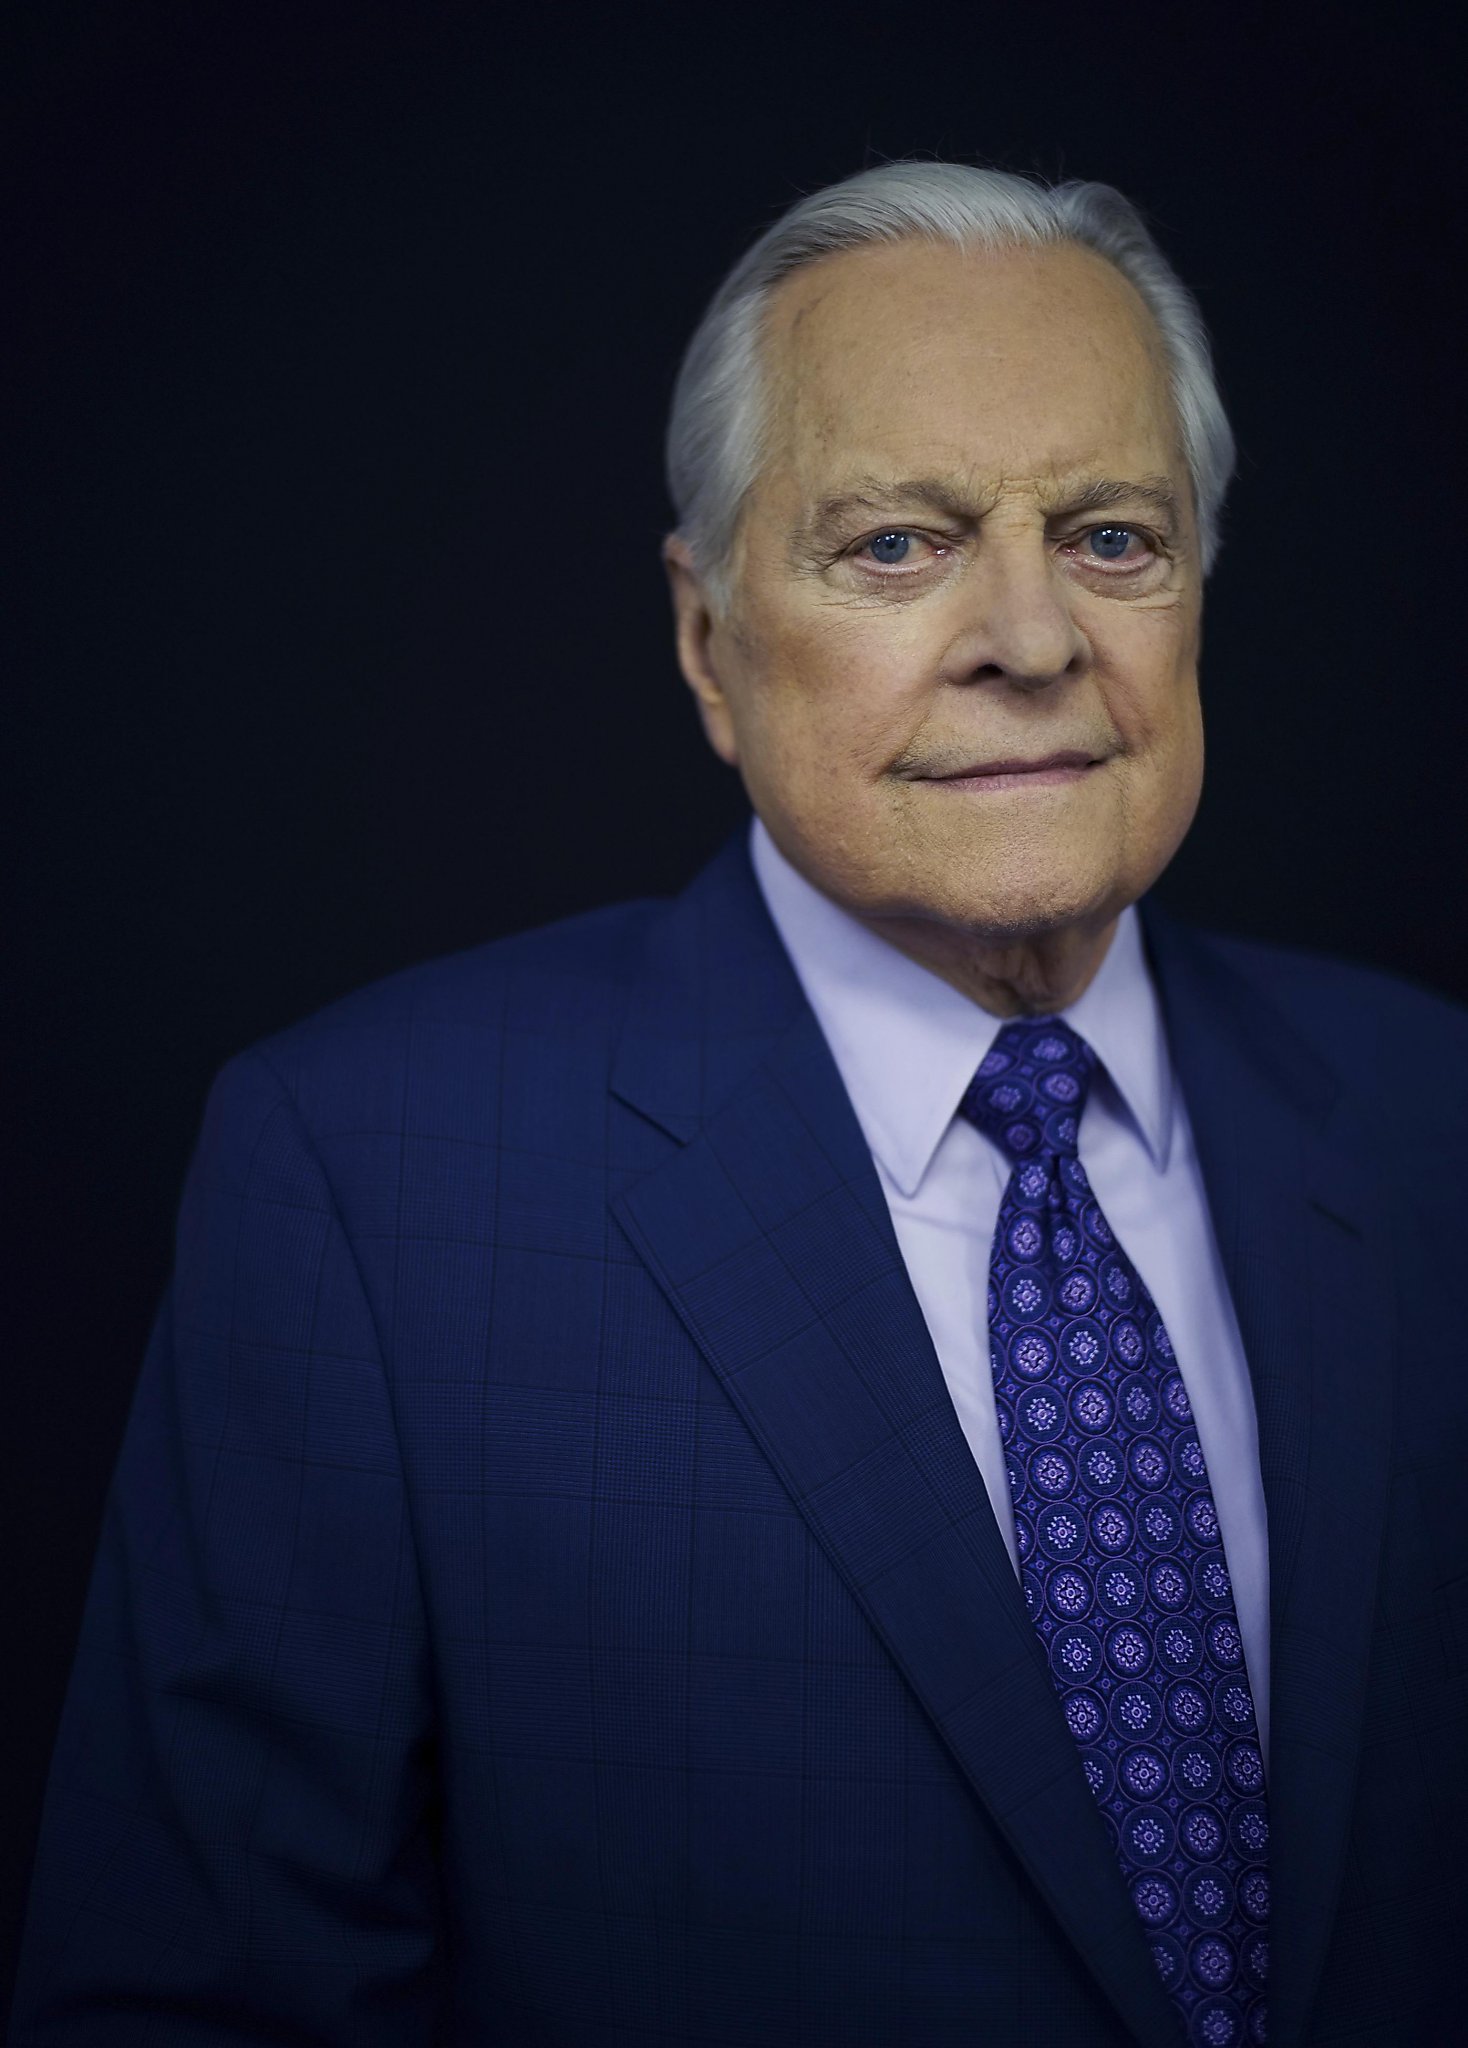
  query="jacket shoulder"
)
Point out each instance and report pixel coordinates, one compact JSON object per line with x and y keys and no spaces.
{"x":1362,"y":1022}
{"x":426,"y":1047}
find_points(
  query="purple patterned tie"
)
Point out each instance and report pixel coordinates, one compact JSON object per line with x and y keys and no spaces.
{"x":1120,"y":1551}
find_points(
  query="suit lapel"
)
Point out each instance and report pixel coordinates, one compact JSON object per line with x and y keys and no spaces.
{"x":769,"y":1233}
{"x":1302,"y":1233}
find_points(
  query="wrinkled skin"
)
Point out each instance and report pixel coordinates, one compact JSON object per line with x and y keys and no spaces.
{"x":916,"y":589}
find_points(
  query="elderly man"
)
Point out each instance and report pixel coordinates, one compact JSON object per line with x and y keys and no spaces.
{"x":872,"y":1455}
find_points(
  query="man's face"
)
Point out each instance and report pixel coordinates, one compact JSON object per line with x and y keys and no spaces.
{"x":923,"y":587}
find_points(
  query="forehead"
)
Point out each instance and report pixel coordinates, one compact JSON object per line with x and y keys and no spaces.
{"x":989,"y":364}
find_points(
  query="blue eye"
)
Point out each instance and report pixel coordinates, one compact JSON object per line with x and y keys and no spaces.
{"x":1110,"y":542}
{"x":890,"y":547}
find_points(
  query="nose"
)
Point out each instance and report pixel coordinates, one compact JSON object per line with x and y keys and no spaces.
{"x":1017,"y":626}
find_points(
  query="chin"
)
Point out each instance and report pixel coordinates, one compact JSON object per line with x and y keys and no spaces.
{"x":1030,"y":901}
{"x":1011,"y":920}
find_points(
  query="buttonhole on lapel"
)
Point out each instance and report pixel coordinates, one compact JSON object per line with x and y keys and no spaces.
{"x":1345,"y":1223}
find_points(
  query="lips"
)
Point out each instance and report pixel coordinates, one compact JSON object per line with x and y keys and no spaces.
{"x":1015,"y":765}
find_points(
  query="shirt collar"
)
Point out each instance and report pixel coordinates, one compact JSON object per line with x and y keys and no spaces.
{"x":907,"y":1043}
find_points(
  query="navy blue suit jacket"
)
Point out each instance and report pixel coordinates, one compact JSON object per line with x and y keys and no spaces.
{"x":545,"y":1595}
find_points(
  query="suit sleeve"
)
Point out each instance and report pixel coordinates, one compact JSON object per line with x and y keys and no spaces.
{"x":237,"y":1841}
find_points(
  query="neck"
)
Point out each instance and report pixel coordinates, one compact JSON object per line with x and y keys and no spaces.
{"x":1031,"y":976}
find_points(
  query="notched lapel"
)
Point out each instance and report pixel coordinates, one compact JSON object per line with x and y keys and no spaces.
{"x":1300,"y":1219}
{"x":770,"y":1236}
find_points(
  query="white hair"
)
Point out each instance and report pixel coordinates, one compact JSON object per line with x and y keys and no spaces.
{"x":715,"y":442}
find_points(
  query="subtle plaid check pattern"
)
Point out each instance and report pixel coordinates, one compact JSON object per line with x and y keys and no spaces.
{"x":467,"y":1658}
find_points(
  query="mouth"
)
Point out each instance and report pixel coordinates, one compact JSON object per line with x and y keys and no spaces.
{"x":1048,"y":771}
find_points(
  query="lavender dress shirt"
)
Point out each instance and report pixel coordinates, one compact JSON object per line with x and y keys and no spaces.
{"x":906,"y":1045}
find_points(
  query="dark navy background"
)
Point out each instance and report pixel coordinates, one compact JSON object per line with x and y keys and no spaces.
{"x":343,"y":344}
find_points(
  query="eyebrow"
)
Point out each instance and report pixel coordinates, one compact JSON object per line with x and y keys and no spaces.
{"x":879,"y":495}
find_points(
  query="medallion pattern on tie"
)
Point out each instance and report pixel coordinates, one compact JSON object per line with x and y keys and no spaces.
{"x":1121,"y":1557}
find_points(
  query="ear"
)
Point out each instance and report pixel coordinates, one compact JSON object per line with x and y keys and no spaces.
{"x":695,"y":625}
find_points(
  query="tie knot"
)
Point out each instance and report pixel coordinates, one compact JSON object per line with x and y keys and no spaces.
{"x":1031,"y":1087}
